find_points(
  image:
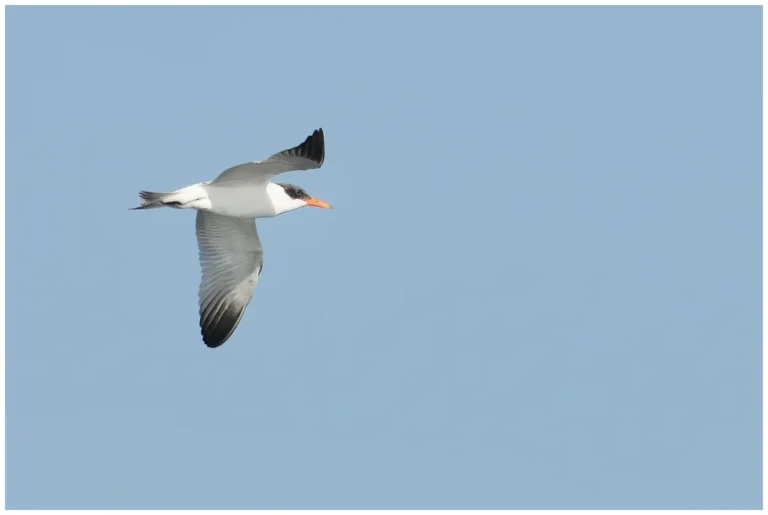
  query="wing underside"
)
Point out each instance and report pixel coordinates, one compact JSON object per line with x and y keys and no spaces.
{"x":231,"y":258}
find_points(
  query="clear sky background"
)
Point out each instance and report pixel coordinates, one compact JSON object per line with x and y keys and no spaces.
{"x":540,"y":287}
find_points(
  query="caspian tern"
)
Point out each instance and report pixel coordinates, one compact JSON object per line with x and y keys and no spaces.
{"x":231,"y":255}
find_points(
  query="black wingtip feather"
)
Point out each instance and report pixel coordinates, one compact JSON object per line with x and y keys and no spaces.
{"x":313,"y":147}
{"x":217,"y":331}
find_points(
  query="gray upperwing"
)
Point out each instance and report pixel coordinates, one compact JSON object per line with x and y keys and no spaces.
{"x":306,"y":156}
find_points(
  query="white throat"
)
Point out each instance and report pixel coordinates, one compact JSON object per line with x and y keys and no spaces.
{"x":281,"y":201}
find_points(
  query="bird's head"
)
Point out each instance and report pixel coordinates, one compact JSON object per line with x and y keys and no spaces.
{"x":287,"y":197}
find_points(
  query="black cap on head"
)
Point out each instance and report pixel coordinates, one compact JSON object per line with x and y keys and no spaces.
{"x":294,"y":191}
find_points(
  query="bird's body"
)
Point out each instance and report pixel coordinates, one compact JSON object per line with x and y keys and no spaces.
{"x":247,"y":200}
{"x":231,"y":254}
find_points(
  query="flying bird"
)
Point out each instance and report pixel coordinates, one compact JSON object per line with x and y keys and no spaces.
{"x":231,"y":255}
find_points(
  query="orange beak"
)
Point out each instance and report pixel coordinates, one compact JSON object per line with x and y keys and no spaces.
{"x":316,"y":202}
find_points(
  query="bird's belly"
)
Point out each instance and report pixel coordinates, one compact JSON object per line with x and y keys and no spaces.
{"x":240,"y":201}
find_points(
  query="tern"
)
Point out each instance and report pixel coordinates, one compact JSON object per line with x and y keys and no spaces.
{"x":231,"y":255}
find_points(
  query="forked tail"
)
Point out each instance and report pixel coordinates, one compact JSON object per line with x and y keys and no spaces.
{"x":191,"y":197}
{"x":151,"y":199}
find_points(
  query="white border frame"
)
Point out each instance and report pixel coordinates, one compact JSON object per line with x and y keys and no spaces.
{"x":350,"y":2}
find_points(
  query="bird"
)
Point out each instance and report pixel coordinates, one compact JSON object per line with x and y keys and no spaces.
{"x":230,"y":251}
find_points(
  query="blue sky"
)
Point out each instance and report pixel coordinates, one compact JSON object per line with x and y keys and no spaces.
{"x":540,"y":287}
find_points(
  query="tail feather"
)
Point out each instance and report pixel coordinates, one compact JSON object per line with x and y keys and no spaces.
{"x":191,"y":197}
{"x":151,"y":199}
{"x":150,"y":196}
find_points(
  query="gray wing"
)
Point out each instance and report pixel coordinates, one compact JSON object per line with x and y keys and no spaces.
{"x":231,"y":257}
{"x":307,"y":156}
